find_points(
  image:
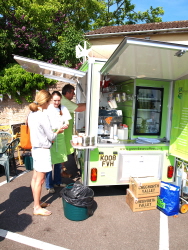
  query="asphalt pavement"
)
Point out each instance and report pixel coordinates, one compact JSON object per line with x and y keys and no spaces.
{"x":112,"y":226}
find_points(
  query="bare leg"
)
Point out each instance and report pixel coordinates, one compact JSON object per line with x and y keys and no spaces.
{"x":33,"y":181}
{"x":36,"y":185}
{"x":42,"y":204}
{"x":39,"y":180}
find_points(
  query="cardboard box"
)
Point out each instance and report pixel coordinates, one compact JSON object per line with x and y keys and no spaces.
{"x":144,"y":186}
{"x":140,"y":204}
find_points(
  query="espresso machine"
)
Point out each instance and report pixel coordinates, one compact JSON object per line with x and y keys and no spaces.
{"x":108,"y":122}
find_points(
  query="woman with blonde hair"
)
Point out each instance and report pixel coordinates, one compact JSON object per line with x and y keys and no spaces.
{"x":41,"y":139}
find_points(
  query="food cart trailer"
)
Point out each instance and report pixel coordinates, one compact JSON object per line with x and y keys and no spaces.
{"x":136,"y":109}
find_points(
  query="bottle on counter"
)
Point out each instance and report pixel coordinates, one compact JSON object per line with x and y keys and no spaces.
{"x":123,"y":133}
{"x":125,"y":126}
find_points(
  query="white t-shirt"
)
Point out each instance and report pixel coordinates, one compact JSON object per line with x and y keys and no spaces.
{"x":40,"y":129}
{"x":56,"y":119}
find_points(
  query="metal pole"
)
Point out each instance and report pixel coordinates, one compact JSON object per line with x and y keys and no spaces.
{"x":87,"y":120}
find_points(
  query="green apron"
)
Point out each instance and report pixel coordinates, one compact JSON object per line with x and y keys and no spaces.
{"x":68,"y":136}
{"x":58,"y":150}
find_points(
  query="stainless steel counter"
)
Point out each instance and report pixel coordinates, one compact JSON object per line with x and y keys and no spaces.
{"x":128,"y":143}
{"x":120,"y":144}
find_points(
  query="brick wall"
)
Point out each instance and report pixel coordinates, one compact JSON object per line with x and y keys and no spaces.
{"x":11,"y":112}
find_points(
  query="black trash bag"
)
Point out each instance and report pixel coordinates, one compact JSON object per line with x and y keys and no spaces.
{"x":78,"y":190}
{"x":78,"y":195}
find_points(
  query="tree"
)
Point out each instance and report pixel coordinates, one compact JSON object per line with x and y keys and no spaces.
{"x":34,"y":29}
{"x":43,"y":29}
{"x":19,"y":83}
{"x":37,"y":29}
{"x":120,"y":12}
{"x":49,"y":30}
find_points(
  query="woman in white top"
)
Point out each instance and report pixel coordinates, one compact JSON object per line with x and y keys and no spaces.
{"x":59,"y":117}
{"x":41,"y":139}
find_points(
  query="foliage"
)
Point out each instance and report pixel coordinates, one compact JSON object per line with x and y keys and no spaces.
{"x":83,"y":13}
{"x":49,"y":30}
{"x":35,"y":28}
{"x":120,"y":12}
{"x":40,"y":28}
{"x":19,"y":83}
{"x":66,"y":47}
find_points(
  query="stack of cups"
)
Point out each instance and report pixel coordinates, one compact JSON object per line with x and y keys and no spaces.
{"x":83,"y":140}
{"x":115,"y":131}
{"x":111,"y":132}
{"x":74,"y":140}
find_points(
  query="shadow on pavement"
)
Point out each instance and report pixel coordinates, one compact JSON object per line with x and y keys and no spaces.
{"x":1,"y":238}
{"x":109,"y":190}
{"x":12,"y":217}
{"x":49,"y":198}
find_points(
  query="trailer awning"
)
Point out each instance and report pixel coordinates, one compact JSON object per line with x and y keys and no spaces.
{"x":141,"y":58}
{"x":50,"y":70}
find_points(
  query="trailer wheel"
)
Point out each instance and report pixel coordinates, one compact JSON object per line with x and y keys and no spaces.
{"x":184,"y":208}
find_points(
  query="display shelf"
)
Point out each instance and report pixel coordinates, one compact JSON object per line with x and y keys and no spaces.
{"x":148,"y":99}
{"x":151,"y":110}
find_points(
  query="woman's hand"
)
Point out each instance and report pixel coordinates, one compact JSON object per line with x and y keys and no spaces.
{"x":60,"y":130}
{"x":65,"y":126}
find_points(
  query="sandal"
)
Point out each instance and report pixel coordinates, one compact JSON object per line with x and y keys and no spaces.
{"x":43,"y":212}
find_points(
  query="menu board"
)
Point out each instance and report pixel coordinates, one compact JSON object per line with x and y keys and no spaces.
{"x":179,"y":131}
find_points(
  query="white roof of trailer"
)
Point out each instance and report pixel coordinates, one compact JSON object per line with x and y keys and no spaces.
{"x":50,"y":70}
{"x":141,"y":58}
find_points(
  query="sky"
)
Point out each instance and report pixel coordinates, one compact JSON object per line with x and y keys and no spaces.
{"x":174,"y":10}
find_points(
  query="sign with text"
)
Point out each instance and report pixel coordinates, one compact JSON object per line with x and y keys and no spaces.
{"x":108,"y":160}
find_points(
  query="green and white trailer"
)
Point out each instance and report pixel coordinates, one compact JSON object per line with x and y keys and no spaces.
{"x":148,"y":80}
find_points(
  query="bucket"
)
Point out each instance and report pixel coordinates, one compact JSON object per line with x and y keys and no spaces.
{"x":28,"y":161}
{"x":75,"y":213}
{"x":78,"y":211}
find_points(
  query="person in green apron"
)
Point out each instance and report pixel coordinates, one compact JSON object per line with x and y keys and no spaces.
{"x":59,"y":117}
{"x":67,"y":95}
